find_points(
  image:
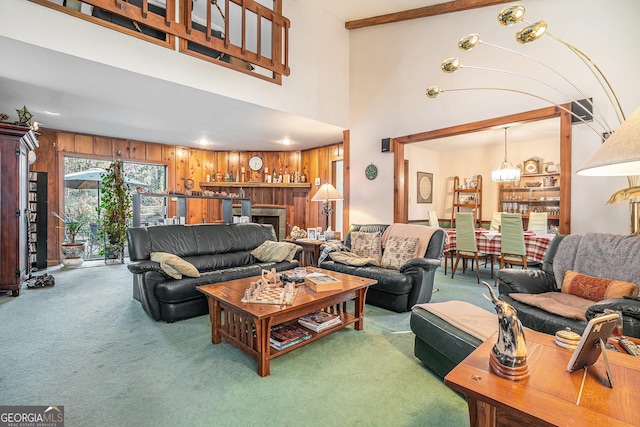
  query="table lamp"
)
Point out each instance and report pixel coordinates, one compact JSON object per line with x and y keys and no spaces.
{"x":325,"y":194}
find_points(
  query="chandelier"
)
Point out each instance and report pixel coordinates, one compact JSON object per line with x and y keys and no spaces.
{"x":505,"y":171}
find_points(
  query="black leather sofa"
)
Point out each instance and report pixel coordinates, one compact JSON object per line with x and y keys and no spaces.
{"x":220,"y":252}
{"x":396,"y":290}
{"x":600,"y":255}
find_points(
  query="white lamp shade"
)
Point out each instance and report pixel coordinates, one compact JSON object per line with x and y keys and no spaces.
{"x":619,"y":155}
{"x":326,"y":192}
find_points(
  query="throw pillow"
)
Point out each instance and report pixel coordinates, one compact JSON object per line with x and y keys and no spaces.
{"x":174,"y":266}
{"x":367,"y":245}
{"x":398,"y":251}
{"x":595,"y":288}
{"x":271,"y":251}
{"x":349,"y":258}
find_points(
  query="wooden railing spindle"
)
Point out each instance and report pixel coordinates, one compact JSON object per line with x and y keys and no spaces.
{"x":173,"y":27}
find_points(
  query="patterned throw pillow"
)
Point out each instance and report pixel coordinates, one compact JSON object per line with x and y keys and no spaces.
{"x":367,"y":245}
{"x":595,"y":288}
{"x":398,"y":251}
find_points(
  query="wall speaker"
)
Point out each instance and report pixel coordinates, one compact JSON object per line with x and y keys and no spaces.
{"x":386,"y":145}
{"x":584,"y":109}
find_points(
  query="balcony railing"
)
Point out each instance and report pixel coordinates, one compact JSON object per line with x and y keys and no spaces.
{"x":247,"y":35}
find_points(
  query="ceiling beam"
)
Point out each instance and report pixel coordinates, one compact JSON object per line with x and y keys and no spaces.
{"x":422,"y":12}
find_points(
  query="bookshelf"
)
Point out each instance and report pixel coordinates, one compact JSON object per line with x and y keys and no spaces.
{"x":467,"y":197}
{"x":38,"y":215}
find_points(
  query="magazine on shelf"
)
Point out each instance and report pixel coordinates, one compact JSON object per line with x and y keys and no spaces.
{"x":289,"y":344}
{"x":320,"y":320}
{"x":286,"y":334}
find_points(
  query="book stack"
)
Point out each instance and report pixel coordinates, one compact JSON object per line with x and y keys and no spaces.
{"x":320,"y":321}
{"x":286,"y":335}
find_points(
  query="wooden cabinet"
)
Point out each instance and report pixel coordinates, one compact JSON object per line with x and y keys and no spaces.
{"x":15,"y":144}
{"x":467,"y":197}
{"x":534,"y":193}
{"x":38,"y":215}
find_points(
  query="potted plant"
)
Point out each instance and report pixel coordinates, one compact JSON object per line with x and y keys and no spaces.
{"x":115,"y":208}
{"x":72,"y":251}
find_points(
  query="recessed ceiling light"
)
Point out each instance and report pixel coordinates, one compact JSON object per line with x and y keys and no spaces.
{"x":51,"y":113}
{"x":203,"y":142}
{"x":286,"y":141}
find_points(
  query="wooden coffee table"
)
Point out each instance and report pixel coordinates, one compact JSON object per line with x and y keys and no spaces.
{"x":551,"y":396}
{"x":248,"y":325}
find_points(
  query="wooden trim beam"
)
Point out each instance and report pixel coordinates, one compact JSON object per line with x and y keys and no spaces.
{"x":400,"y":214}
{"x":566,"y":138}
{"x":422,"y":12}
{"x":527,"y":116}
{"x":346,"y":181}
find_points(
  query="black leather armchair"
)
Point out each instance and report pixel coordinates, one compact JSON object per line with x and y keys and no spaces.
{"x":547,"y":280}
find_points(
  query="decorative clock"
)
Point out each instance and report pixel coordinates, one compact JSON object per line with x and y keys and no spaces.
{"x":371,"y":172}
{"x":255,"y":163}
{"x":531,"y":166}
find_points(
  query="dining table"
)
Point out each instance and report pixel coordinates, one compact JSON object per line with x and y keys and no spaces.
{"x":490,"y":242}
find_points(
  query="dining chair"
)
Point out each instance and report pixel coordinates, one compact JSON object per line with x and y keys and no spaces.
{"x":435,"y":222}
{"x":513,"y":250}
{"x":496,"y":220}
{"x":433,"y":219}
{"x":538,"y":222}
{"x":467,"y":245}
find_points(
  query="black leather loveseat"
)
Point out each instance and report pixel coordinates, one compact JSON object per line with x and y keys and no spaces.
{"x":220,"y":252}
{"x":396,"y":290}
{"x":607,"y":256}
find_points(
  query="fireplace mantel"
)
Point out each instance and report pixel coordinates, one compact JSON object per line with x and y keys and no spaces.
{"x":254,"y":184}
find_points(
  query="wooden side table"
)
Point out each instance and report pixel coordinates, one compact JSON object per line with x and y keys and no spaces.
{"x":310,"y":251}
{"x":551,"y":395}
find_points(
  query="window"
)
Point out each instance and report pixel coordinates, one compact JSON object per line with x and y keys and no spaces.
{"x":82,"y":194}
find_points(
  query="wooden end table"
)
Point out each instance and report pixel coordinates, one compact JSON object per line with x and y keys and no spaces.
{"x":248,"y":325}
{"x":549,"y":397}
{"x":310,"y":251}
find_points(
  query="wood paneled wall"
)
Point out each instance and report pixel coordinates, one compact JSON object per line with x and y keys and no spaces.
{"x":185,"y":162}
{"x":319,"y":163}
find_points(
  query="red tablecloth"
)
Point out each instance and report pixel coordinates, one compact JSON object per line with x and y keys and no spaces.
{"x":490,"y":242}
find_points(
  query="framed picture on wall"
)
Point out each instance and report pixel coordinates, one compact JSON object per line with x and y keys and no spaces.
{"x":425,"y":187}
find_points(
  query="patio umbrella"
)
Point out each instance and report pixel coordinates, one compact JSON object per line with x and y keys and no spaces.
{"x":92,"y":178}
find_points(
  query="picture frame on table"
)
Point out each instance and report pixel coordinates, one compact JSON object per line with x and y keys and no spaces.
{"x":312,"y":233}
{"x":425,"y":187}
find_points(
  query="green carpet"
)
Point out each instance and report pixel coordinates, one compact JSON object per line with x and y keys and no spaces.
{"x":87,"y":345}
